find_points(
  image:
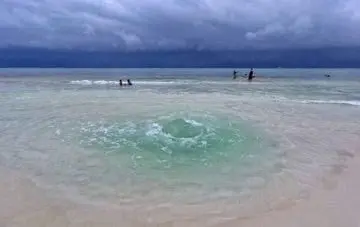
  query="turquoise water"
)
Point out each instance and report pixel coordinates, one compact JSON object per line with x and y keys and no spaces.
{"x":180,"y":135}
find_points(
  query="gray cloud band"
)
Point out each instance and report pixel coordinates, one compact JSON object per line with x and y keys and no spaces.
{"x":160,"y":24}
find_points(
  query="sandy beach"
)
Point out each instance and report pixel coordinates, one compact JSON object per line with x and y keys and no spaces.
{"x":23,"y":204}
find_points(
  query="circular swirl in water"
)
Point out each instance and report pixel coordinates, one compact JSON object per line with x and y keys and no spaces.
{"x":180,"y":128}
{"x":172,"y":142}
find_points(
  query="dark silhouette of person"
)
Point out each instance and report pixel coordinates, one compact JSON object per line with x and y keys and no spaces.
{"x":120,"y":83}
{"x":251,"y":75}
{"x":129,"y":82}
{"x":234,"y":75}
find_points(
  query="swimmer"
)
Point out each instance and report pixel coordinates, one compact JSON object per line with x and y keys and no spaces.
{"x":120,"y":83}
{"x":129,"y":82}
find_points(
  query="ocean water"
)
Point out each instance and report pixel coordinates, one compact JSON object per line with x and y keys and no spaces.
{"x":180,"y":137}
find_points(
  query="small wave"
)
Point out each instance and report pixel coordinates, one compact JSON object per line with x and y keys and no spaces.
{"x":92,"y":82}
{"x":343,"y":102}
{"x":113,"y":82}
{"x":153,"y":82}
{"x":157,"y":82}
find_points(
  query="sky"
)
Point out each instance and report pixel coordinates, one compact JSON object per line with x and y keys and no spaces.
{"x":177,"y":24}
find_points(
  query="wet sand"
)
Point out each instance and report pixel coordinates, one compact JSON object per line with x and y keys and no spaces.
{"x":23,"y":204}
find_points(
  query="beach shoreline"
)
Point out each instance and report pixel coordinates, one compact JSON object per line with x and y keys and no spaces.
{"x":25,"y":204}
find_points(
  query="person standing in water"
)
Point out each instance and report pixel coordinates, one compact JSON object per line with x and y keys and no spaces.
{"x":234,"y":74}
{"x":251,"y":75}
{"x":129,"y":83}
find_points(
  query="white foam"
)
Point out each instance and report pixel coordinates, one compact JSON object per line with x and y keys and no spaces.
{"x":193,"y":122}
{"x":81,"y":82}
{"x":155,"y":129}
{"x":104,"y":82}
{"x":344,"y":102}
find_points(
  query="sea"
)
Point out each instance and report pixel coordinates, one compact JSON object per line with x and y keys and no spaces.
{"x":180,"y":144}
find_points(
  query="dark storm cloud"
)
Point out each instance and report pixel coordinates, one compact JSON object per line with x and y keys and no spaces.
{"x":153,"y":24}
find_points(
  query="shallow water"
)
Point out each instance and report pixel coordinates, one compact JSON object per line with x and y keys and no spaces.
{"x":180,"y":136}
